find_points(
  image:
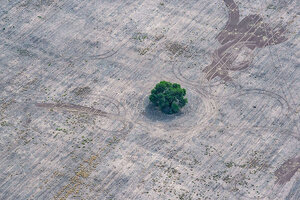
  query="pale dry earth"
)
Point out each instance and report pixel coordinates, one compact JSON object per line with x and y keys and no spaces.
{"x":75,"y":119}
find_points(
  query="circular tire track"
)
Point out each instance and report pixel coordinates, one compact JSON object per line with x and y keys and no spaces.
{"x":198,"y":109}
{"x":214,"y":88}
{"x":110,"y":113}
{"x":260,"y":109}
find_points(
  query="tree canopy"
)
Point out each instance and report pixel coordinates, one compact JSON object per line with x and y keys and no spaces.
{"x":169,"y":97}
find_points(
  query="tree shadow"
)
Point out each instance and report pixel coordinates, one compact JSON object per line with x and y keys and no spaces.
{"x":154,"y":114}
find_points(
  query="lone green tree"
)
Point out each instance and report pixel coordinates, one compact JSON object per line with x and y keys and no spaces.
{"x":169,"y":97}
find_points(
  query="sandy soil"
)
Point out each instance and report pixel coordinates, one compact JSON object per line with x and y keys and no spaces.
{"x":76,"y":123}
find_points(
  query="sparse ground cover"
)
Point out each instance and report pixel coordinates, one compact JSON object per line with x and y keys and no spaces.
{"x":76,"y":121}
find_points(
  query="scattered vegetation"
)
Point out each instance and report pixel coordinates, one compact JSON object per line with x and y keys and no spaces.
{"x":140,"y":36}
{"x":4,"y":123}
{"x":169,"y":97}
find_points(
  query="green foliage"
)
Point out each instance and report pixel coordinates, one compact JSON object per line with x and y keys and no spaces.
{"x":169,"y":97}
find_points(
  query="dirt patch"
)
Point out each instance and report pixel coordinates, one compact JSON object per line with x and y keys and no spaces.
{"x":175,"y":48}
{"x":287,"y":170}
{"x":241,"y":37}
{"x":71,"y":108}
{"x":81,"y":91}
{"x":37,"y":3}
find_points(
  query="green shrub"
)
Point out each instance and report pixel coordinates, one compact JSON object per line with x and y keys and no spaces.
{"x":169,"y":97}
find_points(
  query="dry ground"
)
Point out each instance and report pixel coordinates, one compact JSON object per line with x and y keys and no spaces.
{"x":75,"y":117}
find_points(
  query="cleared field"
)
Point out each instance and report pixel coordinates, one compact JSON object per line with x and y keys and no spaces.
{"x":75,"y":118}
